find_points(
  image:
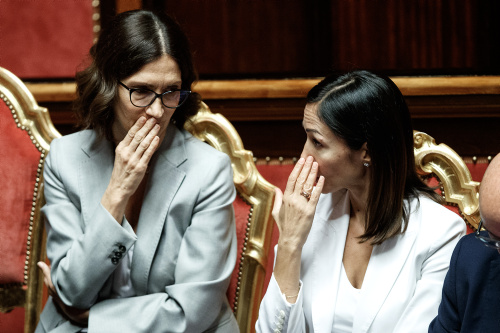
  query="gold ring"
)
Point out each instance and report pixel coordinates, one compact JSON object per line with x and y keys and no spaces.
{"x":305,"y":194}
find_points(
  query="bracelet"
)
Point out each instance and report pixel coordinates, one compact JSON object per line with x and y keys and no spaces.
{"x":287,"y":297}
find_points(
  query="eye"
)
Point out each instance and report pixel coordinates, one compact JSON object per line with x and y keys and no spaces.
{"x":142,"y":91}
{"x":316,"y":143}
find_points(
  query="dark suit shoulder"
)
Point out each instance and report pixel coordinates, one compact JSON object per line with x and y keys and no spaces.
{"x":470,"y":253}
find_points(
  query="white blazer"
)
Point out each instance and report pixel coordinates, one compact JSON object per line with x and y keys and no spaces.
{"x":401,"y":290}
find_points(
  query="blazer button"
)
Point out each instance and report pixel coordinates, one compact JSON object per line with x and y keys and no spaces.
{"x":282,"y":314}
{"x":121,"y":248}
{"x":117,"y":255}
{"x":114,"y":261}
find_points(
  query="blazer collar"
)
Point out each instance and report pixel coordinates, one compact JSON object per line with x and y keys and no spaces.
{"x":328,"y":238}
{"x":164,"y":181}
{"x":327,"y":267}
{"x":389,"y":258}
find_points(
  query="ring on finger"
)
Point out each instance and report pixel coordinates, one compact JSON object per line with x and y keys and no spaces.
{"x":305,"y":194}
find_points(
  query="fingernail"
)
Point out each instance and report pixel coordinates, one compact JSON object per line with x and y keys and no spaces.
{"x":301,"y":160}
{"x":157,"y":127}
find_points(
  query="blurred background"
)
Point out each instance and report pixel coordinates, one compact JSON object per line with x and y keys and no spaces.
{"x":257,"y":59}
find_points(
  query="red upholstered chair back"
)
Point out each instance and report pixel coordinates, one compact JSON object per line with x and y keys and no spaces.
{"x":26,"y":132}
{"x":252,"y":211}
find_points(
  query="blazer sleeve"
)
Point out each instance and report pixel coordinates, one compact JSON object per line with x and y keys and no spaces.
{"x":206,"y":260}
{"x":448,"y":318}
{"x":442,"y":230}
{"x":278,"y":315}
{"x":80,"y":255}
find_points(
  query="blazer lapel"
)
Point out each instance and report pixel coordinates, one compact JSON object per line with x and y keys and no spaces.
{"x":383,"y":269}
{"x":94,"y":173}
{"x":329,"y":239}
{"x":165,"y":179}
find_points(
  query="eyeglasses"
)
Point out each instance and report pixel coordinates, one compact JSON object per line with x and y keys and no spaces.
{"x":142,"y":97}
{"x":489,"y":242}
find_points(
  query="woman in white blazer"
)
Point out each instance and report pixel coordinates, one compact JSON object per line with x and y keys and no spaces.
{"x":364,"y":244}
{"x":139,"y":215}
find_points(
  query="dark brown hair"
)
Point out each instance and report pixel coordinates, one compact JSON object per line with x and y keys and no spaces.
{"x":362,"y":107}
{"x":132,"y":40}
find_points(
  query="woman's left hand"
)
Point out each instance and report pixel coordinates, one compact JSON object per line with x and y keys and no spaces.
{"x":76,"y":315}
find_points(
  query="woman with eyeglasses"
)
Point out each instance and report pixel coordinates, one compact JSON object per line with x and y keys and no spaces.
{"x":139,"y":215}
{"x":364,"y":245}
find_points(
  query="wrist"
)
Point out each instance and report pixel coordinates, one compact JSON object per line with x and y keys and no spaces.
{"x":115,"y":204}
{"x":289,"y":247}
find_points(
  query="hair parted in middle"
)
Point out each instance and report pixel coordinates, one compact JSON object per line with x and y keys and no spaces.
{"x":132,"y":40}
{"x":363,"y":107}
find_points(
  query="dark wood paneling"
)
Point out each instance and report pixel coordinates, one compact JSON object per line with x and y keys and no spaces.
{"x":262,"y":38}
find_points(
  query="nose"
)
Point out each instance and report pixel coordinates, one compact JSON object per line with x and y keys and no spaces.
{"x":305,"y":152}
{"x":155,"y":110}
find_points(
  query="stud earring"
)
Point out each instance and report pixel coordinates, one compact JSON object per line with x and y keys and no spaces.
{"x":366,"y":164}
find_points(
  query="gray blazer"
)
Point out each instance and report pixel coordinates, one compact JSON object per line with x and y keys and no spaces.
{"x":184,"y":245}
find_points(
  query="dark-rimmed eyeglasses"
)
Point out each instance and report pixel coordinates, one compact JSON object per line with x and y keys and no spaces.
{"x":142,"y":97}
{"x":489,"y":242}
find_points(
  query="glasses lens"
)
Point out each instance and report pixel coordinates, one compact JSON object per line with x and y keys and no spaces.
{"x":142,"y":97}
{"x":174,"y":99}
{"x":489,"y":242}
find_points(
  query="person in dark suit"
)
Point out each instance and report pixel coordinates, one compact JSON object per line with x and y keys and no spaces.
{"x":471,"y":290}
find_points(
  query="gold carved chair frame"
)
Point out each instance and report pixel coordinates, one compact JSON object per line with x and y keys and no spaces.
{"x":217,"y":131}
{"x":35,"y":120}
{"x":457,"y":186}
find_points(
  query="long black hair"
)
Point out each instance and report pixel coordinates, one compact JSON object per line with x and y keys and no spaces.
{"x":363,"y":107}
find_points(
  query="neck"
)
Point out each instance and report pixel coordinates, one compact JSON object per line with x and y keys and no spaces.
{"x":359,"y":204}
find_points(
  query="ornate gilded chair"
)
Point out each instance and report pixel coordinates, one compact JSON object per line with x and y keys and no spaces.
{"x":26,"y":131}
{"x":253,"y":215}
{"x":440,"y":165}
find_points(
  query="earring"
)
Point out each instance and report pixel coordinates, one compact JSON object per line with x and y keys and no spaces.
{"x":366,"y":164}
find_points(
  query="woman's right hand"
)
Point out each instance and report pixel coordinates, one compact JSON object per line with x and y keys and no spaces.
{"x":79,"y":316}
{"x":292,"y":211}
{"x":132,"y":156}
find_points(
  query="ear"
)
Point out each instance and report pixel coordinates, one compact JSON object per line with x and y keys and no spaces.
{"x":365,"y":154}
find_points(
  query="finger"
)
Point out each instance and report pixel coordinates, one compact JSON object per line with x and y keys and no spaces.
{"x":313,"y":200}
{"x":144,"y":145}
{"x":304,"y":173}
{"x":47,"y":280}
{"x":133,"y":130}
{"x":311,"y":178}
{"x":141,"y":134}
{"x":292,"y":179}
{"x":278,"y":201}
{"x":146,"y":156}
{"x":44,"y":268}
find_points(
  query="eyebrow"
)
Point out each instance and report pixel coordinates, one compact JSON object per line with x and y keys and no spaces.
{"x":149,"y":86}
{"x":311,"y":130}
